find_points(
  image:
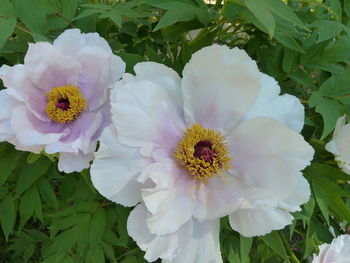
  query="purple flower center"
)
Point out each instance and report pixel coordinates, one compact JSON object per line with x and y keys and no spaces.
{"x":63,"y":104}
{"x":203,"y":150}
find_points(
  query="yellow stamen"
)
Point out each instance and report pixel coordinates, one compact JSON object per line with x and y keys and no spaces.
{"x":203,"y":152}
{"x":65,"y":103}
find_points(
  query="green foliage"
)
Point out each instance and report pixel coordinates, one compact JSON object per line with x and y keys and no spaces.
{"x":47,"y":216}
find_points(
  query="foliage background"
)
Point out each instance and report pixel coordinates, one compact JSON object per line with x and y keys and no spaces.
{"x":47,"y":216}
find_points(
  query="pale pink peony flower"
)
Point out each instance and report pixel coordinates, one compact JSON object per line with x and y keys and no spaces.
{"x":220,"y":141}
{"x":58,"y":100}
{"x":340,"y":144}
{"x":336,"y":252}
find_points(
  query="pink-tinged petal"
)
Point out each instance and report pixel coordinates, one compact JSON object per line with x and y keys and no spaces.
{"x":48,"y":67}
{"x":145,"y":117}
{"x":115,"y":169}
{"x":286,"y":109}
{"x":69,"y":162}
{"x":72,"y":41}
{"x":171,"y":200}
{"x":20,"y":86}
{"x":219,"y":86}
{"x":98,"y":77}
{"x":259,"y":220}
{"x":203,"y":246}
{"x":164,"y":77}
{"x":165,"y":246}
{"x":268,"y":156}
{"x":218,"y":197}
{"x":26,"y":133}
{"x":7,"y":105}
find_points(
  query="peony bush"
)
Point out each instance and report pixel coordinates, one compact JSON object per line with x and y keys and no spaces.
{"x":174,"y":131}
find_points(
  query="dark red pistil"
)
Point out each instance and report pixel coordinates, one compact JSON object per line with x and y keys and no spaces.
{"x":63,"y":104}
{"x":203,"y":150}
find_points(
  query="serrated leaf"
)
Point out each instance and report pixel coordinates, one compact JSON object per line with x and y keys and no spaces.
{"x":7,"y":215}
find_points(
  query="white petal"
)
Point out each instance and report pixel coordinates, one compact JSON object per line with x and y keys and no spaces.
{"x":219,"y":85}
{"x":259,"y":221}
{"x":72,"y":40}
{"x":268,"y":156}
{"x":301,"y":195}
{"x":115,"y":169}
{"x":171,"y":199}
{"x":218,"y":197}
{"x":337,"y":252}
{"x":286,"y":109}
{"x":203,"y":246}
{"x":163,"y":76}
{"x":145,"y":117}
{"x":155,"y":246}
{"x":69,"y":162}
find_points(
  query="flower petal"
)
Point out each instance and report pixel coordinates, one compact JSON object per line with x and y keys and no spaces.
{"x":145,"y":117}
{"x":269,"y":159}
{"x":259,"y":221}
{"x":69,"y":162}
{"x":164,"y":247}
{"x":170,"y":201}
{"x":115,"y":169}
{"x":219,"y":86}
{"x":286,"y":109}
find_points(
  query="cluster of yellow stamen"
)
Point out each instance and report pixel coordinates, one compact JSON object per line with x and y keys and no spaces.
{"x":203,"y":152}
{"x":65,"y":103}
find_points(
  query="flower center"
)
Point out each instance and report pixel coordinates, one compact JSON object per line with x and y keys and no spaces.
{"x":203,"y":152}
{"x":65,"y":103}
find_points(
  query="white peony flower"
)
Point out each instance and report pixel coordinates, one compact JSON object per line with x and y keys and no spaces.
{"x":340,"y":144}
{"x":336,"y":252}
{"x":58,"y":101}
{"x":220,"y":141}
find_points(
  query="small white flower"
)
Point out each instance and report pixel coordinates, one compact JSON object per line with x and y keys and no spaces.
{"x":220,"y":141}
{"x":336,"y":252}
{"x":58,"y":100}
{"x":340,"y":144}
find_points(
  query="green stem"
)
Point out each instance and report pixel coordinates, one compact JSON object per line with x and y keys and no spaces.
{"x":291,"y":253}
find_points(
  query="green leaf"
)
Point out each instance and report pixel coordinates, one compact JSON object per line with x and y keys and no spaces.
{"x":47,"y":193}
{"x":279,"y":8}
{"x":6,"y":8}
{"x":8,"y":163}
{"x":7,"y":215}
{"x":289,"y":60}
{"x":32,"y":15}
{"x":97,"y":227}
{"x":327,"y":29}
{"x":274,"y":241}
{"x":29,"y":174}
{"x":288,"y":41}
{"x":329,"y":110}
{"x":69,"y":8}
{"x":30,"y":204}
{"x":263,"y":14}
{"x":174,"y":16}
{"x":245,"y":246}
{"x":7,"y":26}
{"x":95,"y":254}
